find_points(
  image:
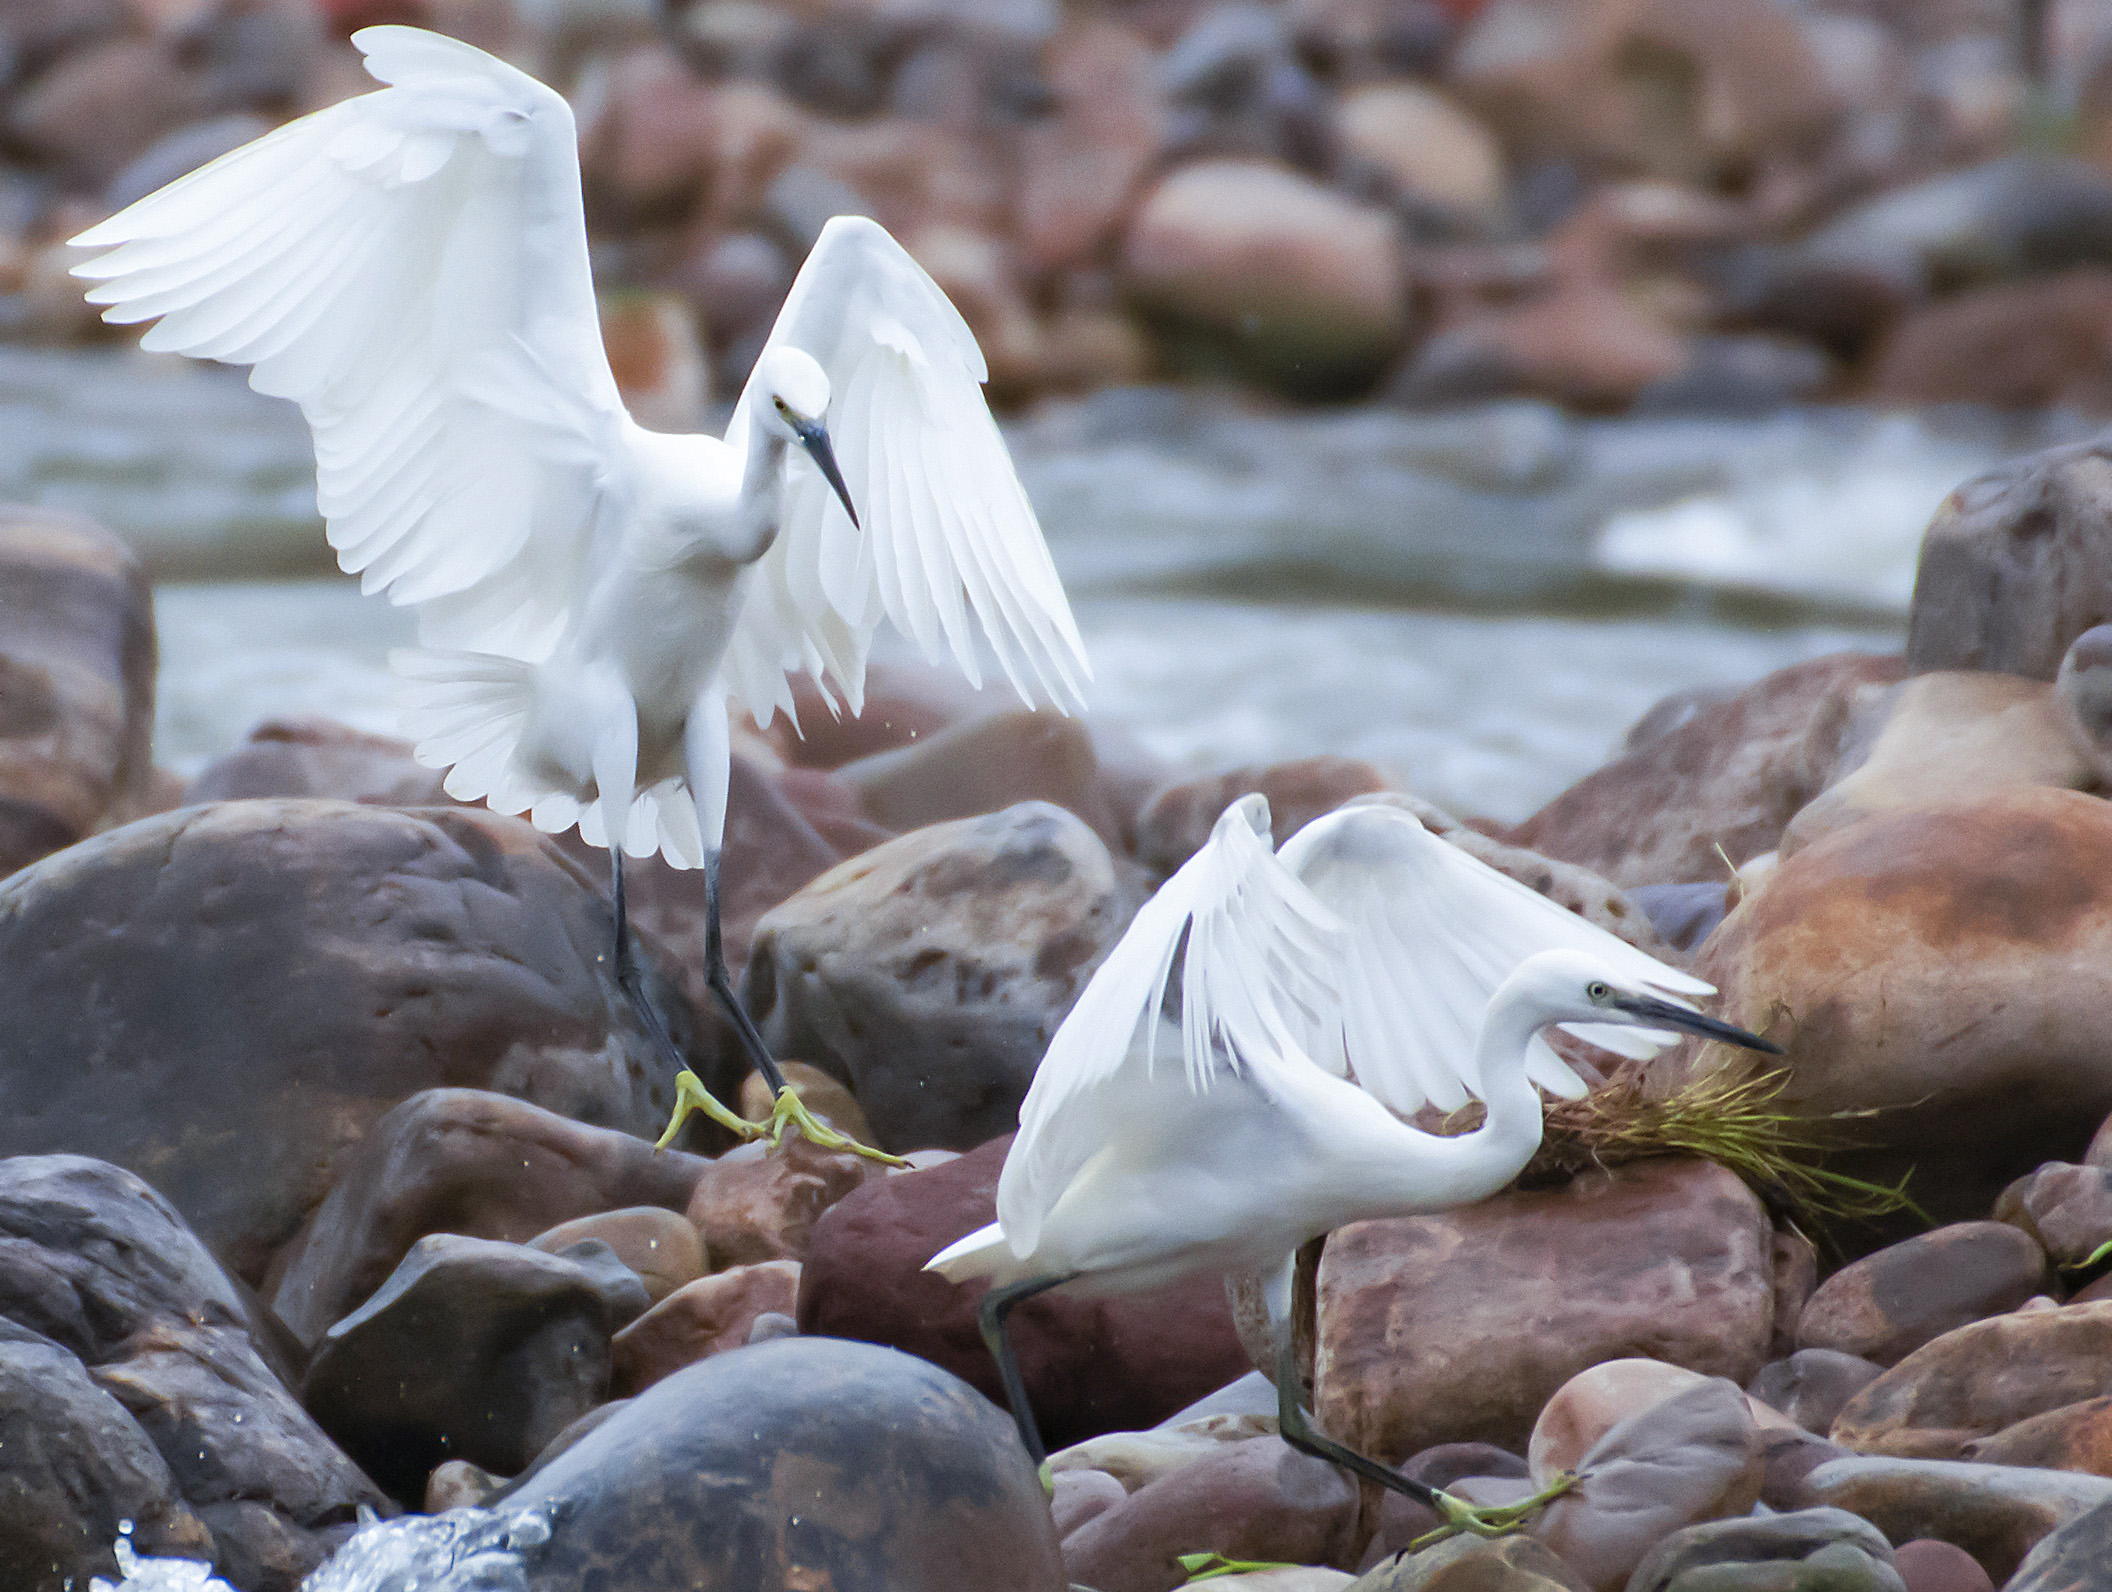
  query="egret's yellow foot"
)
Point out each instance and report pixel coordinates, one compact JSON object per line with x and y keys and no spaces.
{"x":690,"y":1095}
{"x":1494,"y":1520}
{"x":789,"y":1111}
{"x":1048,"y":1478}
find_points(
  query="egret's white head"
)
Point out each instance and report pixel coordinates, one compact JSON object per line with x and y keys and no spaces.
{"x":792,"y":392}
{"x":1577,"y":987}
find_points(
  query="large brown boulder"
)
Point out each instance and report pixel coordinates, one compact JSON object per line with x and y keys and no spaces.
{"x":1699,"y":774}
{"x":104,"y":1278}
{"x":2016,"y":564}
{"x":1091,"y":1365}
{"x":226,"y":998}
{"x":77,"y":659}
{"x":930,"y":973}
{"x":1460,"y":1327}
{"x":1948,"y":967}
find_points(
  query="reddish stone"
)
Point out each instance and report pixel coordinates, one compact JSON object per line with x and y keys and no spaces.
{"x":1091,"y":1365}
{"x":702,"y":1318}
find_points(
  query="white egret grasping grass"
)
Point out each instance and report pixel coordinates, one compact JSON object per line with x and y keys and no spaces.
{"x":410,"y":266}
{"x":1151,"y":1147}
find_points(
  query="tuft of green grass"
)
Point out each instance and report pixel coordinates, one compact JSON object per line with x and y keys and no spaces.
{"x":1735,"y":1121}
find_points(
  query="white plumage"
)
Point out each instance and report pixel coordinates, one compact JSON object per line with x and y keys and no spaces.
{"x":1367,"y":965}
{"x":1365,"y":968}
{"x":410,"y":266}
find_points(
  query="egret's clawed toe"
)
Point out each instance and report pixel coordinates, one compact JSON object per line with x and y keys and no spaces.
{"x":1496,"y":1520}
{"x":691,"y":1095}
{"x":790,"y":1111}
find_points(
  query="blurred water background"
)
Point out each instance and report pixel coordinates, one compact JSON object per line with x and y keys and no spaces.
{"x":1481,"y":599}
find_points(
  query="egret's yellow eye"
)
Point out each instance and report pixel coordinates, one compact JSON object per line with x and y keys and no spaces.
{"x":1597,"y":991}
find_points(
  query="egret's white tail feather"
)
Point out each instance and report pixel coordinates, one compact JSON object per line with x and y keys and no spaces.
{"x":983,"y":1253}
{"x":469,"y":709}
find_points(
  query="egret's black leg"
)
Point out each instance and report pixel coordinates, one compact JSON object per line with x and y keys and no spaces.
{"x":990,"y":1315}
{"x":1454,"y":1514}
{"x":628,"y":976}
{"x":786,"y":1109}
{"x":721,"y":983}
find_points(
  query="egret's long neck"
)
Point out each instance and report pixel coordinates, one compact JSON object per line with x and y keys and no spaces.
{"x":762,"y":484}
{"x":1417,"y":1171}
{"x":1508,"y":1026}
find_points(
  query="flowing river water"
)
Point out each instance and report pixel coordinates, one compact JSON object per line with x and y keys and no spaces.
{"x":1481,"y":600}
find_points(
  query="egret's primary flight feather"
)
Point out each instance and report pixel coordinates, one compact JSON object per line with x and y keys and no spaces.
{"x":411,"y":267}
{"x":1430,"y":933}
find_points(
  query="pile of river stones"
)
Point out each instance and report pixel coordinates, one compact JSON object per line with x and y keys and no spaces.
{"x":329,"y":1192}
{"x":1667,"y":204}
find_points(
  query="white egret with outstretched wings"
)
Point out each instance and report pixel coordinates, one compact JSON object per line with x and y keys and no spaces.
{"x":411,"y":268}
{"x":1368,"y":965}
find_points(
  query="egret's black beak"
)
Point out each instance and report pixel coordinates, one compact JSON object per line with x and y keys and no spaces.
{"x":1664,"y":1014}
{"x":814,"y":437}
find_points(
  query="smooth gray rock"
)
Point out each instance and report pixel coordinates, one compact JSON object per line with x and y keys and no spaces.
{"x":930,"y":973}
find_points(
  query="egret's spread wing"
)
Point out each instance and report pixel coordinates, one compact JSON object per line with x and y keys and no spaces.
{"x":410,"y":266}
{"x":942,"y":516}
{"x":1255,"y":972}
{"x":1431,"y":932}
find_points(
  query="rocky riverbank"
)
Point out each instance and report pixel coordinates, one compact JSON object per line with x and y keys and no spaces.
{"x":328,"y":1196}
{"x":1664,"y":204}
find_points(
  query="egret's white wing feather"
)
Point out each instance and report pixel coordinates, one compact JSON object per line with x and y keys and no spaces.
{"x":1432,"y":932}
{"x":945,"y":529}
{"x":409,"y":266}
{"x":1255,"y":971}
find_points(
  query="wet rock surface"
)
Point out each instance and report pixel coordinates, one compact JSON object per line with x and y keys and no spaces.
{"x":2012,"y":568}
{"x":145,"y":1392}
{"x":472,"y":1349}
{"x":379,"y":953}
{"x":1827,"y":1542}
{"x":760,"y":1202}
{"x":708,"y":1316}
{"x":930,"y":973}
{"x":467,"y":1162}
{"x":809,"y":1460}
{"x":1091,"y":1365}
